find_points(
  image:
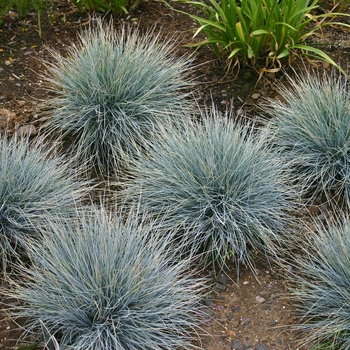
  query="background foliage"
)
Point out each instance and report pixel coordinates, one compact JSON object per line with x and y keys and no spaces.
{"x":247,"y":30}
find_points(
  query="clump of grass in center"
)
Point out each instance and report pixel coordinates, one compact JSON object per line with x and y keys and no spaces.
{"x":107,"y":283}
{"x":112,"y":90}
{"x":220,"y":185}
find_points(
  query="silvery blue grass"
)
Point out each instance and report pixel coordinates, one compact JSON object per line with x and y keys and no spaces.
{"x":220,"y":185}
{"x":311,"y":126}
{"x":112,"y":90}
{"x":321,"y":286}
{"x":33,"y":183}
{"x":107,"y":283}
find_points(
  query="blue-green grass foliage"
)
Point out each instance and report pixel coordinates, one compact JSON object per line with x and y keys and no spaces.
{"x":33,"y":183}
{"x":321,"y":286}
{"x":106,"y":283}
{"x":112,"y":90}
{"x":220,"y":185}
{"x":311,"y":126}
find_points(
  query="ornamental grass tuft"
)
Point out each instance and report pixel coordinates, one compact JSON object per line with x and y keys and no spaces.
{"x":321,"y":286}
{"x":219,"y":186}
{"x":311,"y":127}
{"x":107,"y":283}
{"x":33,"y":183}
{"x":111,"y":92}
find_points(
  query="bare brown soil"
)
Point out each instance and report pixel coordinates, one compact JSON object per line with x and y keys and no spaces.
{"x":255,"y":312}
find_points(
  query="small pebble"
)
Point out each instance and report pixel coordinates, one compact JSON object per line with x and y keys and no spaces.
{"x":208,"y":302}
{"x":220,"y":287}
{"x":221,"y":283}
{"x":222,"y":279}
{"x":21,"y":102}
{"x":246,"y":322}
{"x":259,"y":299}
{"x":236,"y":308}
{"x":236,"y":345}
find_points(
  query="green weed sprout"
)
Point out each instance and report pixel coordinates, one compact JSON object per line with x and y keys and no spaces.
{"x":33,"y":183}
{"x":105,"y":282}
{"x":321,"y":286}
{"x":112,"y":91}
{"x":219,"y":185}
{"x":311,"y":126}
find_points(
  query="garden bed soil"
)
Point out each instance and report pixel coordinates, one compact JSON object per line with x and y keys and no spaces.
{"x":253,"y":313}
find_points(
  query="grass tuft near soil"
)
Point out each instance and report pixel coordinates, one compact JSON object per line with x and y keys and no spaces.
{"x":251,"y":314}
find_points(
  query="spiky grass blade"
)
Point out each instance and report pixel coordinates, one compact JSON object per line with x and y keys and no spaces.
{"x":33,"y":183}
{"x":106,"y":283}
{"x":112,"y":91}
{"x":321,"y":286}
{"x":311,"y":126}
{"x":220,"y":185}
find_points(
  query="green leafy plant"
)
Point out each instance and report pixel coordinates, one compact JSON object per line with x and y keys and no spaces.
{"x":247,"y":30}
{"x":219,"y":186}
{"x":33,"y":183}
{"x":22,"y":9}
{"x":320,"y":290}
{"x":310,"y":125}
{"x":112,"y":91}
{"x":4,"y":8}
{"x":105,"y":282}
{"x":116,"y":6}
{"x":323,"y":346}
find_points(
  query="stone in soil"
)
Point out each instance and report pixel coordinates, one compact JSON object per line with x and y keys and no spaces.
{"x":221,"y":283}
{"x":236,"y":345}
{"x":259,"y":299}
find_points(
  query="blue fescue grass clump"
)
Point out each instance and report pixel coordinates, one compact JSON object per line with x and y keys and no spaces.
{"x":107,"y":283}
{"x":219,"y":185}
{"x":33,"y":183}
{"x":111,"y":92}
{"x":311,"y":126}
{"x":321,"y":286}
